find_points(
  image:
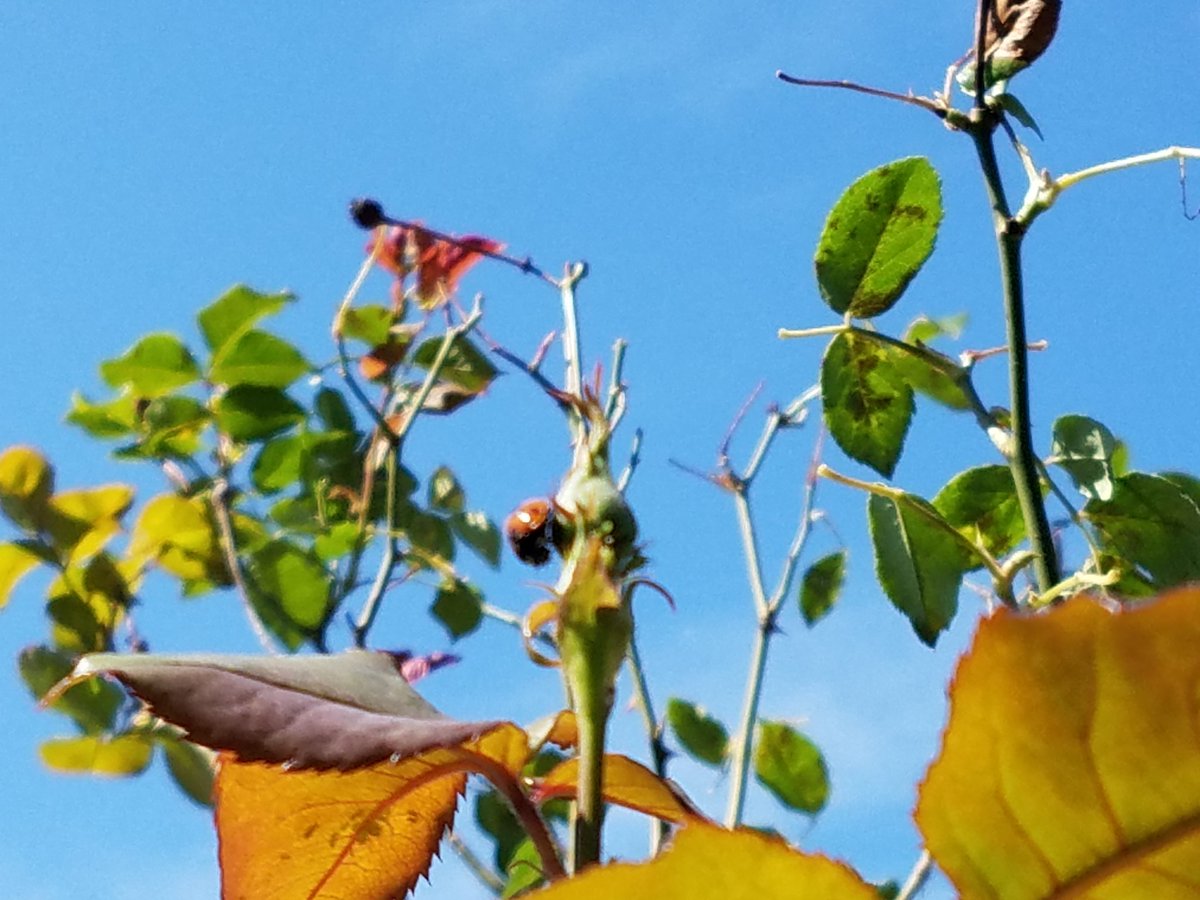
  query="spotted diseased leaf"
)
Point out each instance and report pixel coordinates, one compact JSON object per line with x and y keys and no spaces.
{"x":1084,"y":449}
{"x":877,"y":237}
{"x":791,"y":767}
{"x":466,"y":366}
{"x":821,"y":585}
{"x":701,"y":735}
{"x":1153,"y":524}
{"x":706,"y":861}
{"x":1070,"y":766}
{"x":156,"y":365}
{"x":458,"y":606}
{"x":920,"y":565}
{"x":233,"y":314}
{"x":868,"y":404}
{"x":982,"y":504}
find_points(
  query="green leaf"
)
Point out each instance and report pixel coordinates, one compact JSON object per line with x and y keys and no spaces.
{"x":277,"y":465}
{"x":791,"y":767}
{"x":234,"y":312}
{"x":1153,"y":523}
{"x":155,"y":365}
{"x":249,"y":413}
{"x":1083,"y":448}
{"x":868,"y":405}
{"x":337,"y":541}
{"x":877,"y":237}
{"x":192,"y":767}
{"x":701,"y":735}
{"x":445,"y":493}
{"x":333,"y":411}
{"x":465,"y":366}
{"x":982,"y":504}
{"x":369,"y":324}
{"x":295,"y":580}
{"x":1017,"y":110}
{"x":180,"y":535}
{"x":919,"y":565}
{"x":479,"y":533}
{"x":458,"y":606}
{"x":260,"y":359}
{"x":934,"y":374}
{"x":128,"y":754}
{"x":821,"y":585}
{"x":116,"y":418}
{"x":497,"y":820}
{"x":26,"y":484}
{"x":524,"y":870}
{"x":16,"y":560}
{"x":429,"y":534}
{"x":172,"y":426}
{"x":923,"y":329}
{"x":92,"y":704}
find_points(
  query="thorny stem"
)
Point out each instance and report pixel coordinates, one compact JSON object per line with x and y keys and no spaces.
{"x":767,"y":607}
{"x":1022,"y":458}
{"x":654,"y":731}
{"x":220,"y":505}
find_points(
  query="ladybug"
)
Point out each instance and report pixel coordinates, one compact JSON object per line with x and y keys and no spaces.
{"x":530,"y":531}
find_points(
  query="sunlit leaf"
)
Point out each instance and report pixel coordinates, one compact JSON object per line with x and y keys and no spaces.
{"x":877,"y":236}
{"x":706,"y":861}
{"x":192,"y":767}
{"x":154,"y":366}
{"x":337,"y":541}
{"x":982,"y":504}
{"x":445,"y":493}
{"x":234,"y":312}
{"x":120,"y":756}
{"x":923,"y":329}
{"x":791,"y":767}
{"x":821,"y":585}
{"x":16,"y":560}
{"x":465,"y":366}
{"x":1153,"y":523}
{"x":26,"y":483}
{"x":479,"y":533}
{"x":458,"y":606}
{"x":294,"y":580}
{"x":701,"y":735}
{"x":92,"y":704}
{"x":919,"y":565}
{"x":1070,"y":766}
{"x":260,"y":359}
{"x":115,"y":418}
{"x":934,"y":374}
{"x":180,"y":535}
{"x":171,"y":427}
{"x":626,"y":783}
{"x":1084,"y":448}
{"x":248,"y":413}
{"x":368,"y":323}
{"x":868,"y":405}
{"x":80,"y":522}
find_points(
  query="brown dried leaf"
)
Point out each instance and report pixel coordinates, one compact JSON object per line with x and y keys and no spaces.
{"x":1019,"y":31}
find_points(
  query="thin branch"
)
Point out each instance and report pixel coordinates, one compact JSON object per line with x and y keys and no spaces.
{"x":486,"y":877}
{"x":912,"y":99}
{"x":635,"y":457}
{"x":654,"y":733}
{"x":1187,"y":210}
{"x":970,"y":357}
{"x":981,"y":24}
{"x":571,"y":352}
{"x":786,"y":333}
{"x":803,"y":528}
{"x":614,"y":406}
{"x":220,"y":506}
{"x":917,"y":877}
{"x":738,"y":418}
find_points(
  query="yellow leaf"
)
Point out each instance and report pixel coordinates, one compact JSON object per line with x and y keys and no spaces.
{"x":626,"y":783}
{"x":82,"y":521}
{"x":1071,"y":763}
{"x":707,"y":861}
{"x":119,"y":756}
{"x":366,"y":834}
{"x":15,"y":562}
{"x":179,"y":534}
{"x":26,"y":483}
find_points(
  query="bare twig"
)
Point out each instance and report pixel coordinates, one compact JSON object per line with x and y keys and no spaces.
{"x":917,"y":877}
{"x":738,"y":418}
{"x":220,"y":506}
{"x":635,"y":457}
{"x":477,"y":866}
{"x":912,"y":99}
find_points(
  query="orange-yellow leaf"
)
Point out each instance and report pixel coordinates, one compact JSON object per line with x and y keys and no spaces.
{"x":626,"y":783}
{"x":1071,"y":763}
{"x":363,"y":834}
{"x":706,"y":861}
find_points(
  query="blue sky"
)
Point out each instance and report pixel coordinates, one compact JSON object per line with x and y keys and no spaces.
{"x":153,"y":157}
